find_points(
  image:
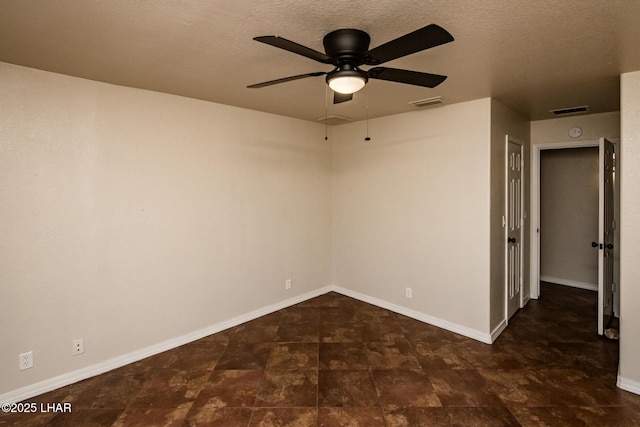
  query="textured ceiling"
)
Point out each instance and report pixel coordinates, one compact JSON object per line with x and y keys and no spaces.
{"x":532,"y":56}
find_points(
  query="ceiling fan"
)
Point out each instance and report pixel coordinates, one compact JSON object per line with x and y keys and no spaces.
{"x":348,"y":49}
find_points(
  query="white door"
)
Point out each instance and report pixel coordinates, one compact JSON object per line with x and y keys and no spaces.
{"x":606,"y":227}
{"x":514,"y":218}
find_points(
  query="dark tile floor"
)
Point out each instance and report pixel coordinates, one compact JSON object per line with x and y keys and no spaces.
{"x":335,"y":361}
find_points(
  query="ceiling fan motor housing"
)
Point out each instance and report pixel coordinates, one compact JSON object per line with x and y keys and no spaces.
{"x":346,"y":43}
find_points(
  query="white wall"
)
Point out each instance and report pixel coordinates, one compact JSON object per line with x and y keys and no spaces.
{"x":411,"y":209}
{"x":629,"y":373}
{"x":593,"y":127}
{"x":131,"y":217}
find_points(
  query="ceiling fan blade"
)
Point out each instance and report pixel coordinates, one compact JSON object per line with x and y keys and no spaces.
{"x":405,"y":76}
{"x":425,"y":38}
{"x":294,"y":47}
{"x":286,"y":79}
{"x":341,"y":97}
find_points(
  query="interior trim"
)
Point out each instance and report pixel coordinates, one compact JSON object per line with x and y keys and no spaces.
{"x":572,"y":283}
{"x":628,"y":385}
{"x":435,"y":321}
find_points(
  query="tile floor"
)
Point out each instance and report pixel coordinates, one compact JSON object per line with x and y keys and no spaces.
{"x":335,"y":361}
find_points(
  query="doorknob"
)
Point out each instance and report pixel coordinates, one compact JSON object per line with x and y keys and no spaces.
{"x":511,"y":240}
{"x":609,"y":246}
{"x":594,"y":245}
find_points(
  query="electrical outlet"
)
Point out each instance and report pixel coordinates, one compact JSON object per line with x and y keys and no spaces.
{"x":408,"y":293}
{"x":78,"y":347}
{"x":25,"y":360}
{"x":287,"y":284}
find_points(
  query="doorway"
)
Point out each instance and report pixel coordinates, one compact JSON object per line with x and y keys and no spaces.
{"x":580,"y":255}
{"x":569,"y":192}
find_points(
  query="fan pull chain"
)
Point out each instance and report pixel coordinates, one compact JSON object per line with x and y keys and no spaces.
{"x":326,"y":111}
{"x":367,"y":138}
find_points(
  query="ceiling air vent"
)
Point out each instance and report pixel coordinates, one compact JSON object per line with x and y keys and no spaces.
{"x":571,"y":110}
{"x":334,"y":120}
{"x":427,"y":102}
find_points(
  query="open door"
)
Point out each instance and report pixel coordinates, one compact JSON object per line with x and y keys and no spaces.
{"x":606,"y":227}
{"x":514,"y":220}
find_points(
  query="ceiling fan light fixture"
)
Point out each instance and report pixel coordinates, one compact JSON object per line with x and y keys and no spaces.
{"x":347,"y":84}
{"x":347,"y":79}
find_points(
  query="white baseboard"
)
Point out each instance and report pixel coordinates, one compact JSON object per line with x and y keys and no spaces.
{"x":505,"y":322}
{"x":628,"y":385}
{"x":572,"y":283}
{"x":125,"y":359}
{"x":498,"y":330}
{"x":440,"y":323}
{"x":119,"y":361}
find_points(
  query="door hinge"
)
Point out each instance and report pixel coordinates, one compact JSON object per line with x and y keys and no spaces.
{"x":613,"y":288}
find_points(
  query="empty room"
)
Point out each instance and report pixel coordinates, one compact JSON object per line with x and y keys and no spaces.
{"x":249,"y":213}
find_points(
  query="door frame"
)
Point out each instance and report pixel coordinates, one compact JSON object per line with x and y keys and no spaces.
{"x":534,"y":287}
{"x":606,"y":282}
{"x":505,"y":221}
